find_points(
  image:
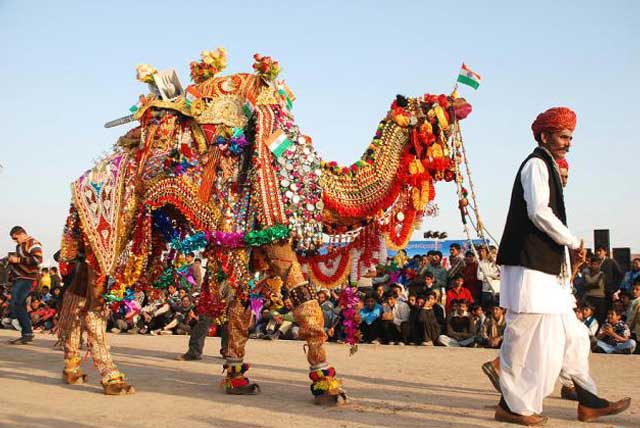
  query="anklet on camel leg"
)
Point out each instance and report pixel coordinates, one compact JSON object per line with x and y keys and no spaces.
{"x":326,"y":387}
{"x":236,"y":383}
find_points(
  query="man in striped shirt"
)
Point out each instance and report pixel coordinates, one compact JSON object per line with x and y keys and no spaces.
{"x":23,"y":270}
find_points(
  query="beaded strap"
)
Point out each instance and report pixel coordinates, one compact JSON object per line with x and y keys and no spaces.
{"x":300,"y":294}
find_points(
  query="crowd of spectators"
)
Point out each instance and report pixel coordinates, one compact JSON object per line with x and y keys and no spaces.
{"x":422,"y":301}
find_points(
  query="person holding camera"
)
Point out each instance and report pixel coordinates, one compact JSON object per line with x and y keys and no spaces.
{"x":23,"y":269}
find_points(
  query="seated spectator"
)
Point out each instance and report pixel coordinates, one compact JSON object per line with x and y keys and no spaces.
{"x":426,"y":328}
{"x":478,"y":317}
{"x":438,"y":309}
{"x":593,"y":289}
{"x":614,"y":336}
{"x":370,"y":324}
{"x":41,"y":315}
{"x":459,"y":326}
{"x":45,"y":294}
{"x":422,"y":284}
{"x":633,"y":311}
{"x":379,"y":294}
{"x":397,"y":290}
{"x":398,"y":332}
{"x":260,"y":328}
{"x":288,"y":329}
{"x":589,"y":319}
{"x":632,"y":276}
{"x":329,"y":313}
{"x":493,"y":328}
{"x":458,"y":292}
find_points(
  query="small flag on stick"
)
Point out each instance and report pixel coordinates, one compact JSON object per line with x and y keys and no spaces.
{"x":278,"y":143}
{"x":469,"y":77}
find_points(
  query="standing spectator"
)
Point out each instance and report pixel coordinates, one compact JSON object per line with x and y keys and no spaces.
{"x":456,"y":261}
{"x":470,"y":274}
{"x":614,"y":336}
{"x":611,"y":270}
{"x":489,"y":274}
{"x":459,"y":326}
{"x":24,"y":272}
{"x":45,"y":279}
{"x":457,"y":292}
{"x":440,"y":274}
{"x":594,"y":289}
{"x":370,"y":324}
{"x":493,"y":328}
{"x":632,"y":276}
{"x":56,"y":279}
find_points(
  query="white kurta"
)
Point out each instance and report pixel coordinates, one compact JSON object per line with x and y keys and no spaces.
{"x":543,"y":335}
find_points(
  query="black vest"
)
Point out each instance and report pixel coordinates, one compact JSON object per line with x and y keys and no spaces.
{"x":523,"y":244}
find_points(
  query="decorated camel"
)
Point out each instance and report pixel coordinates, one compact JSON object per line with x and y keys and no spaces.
{"x":222,"y":168}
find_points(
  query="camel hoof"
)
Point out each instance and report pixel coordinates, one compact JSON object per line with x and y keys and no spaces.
{"x":331,"y":400}
{"x":77,"y":378}
{"x":250,"y":389}
{"x":119,"y":388}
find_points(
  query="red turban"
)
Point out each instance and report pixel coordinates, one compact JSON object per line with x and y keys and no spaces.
{"x":562,"y":164}
{"x":554,"y":120}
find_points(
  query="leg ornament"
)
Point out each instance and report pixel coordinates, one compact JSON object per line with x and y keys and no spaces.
{"x":236,"y":382}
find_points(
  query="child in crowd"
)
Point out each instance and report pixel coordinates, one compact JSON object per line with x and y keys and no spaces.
{"x":493,"y":328}
{"x":633,"y":311}
{"x":459,"y":326}
{"x":478,"y":318}
{"x":370,"y":323}
{"x":589,"y":319}
{"x":614,"y":336}
{"x":427,"y":329}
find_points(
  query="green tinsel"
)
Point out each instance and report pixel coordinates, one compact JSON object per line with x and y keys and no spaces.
{"x":267,"y":236}
{"x":165,"y":280}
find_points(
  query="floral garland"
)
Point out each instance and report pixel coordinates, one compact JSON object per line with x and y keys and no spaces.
{"x":349,"y":304}
{"x":326,"y":276}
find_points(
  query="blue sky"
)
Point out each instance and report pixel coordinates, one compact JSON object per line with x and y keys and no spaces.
{"x":68,"y":67}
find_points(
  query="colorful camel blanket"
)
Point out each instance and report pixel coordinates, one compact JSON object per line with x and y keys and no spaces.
{"x":103,"y":196}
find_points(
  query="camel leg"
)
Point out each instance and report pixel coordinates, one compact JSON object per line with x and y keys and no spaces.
{"x":236,"y":382}
{"x":325,"y":387}
{"x":70,"y":332}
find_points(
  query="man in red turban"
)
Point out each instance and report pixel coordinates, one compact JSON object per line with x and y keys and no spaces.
{"x":563,"y":166}
{"x":543,"y":336}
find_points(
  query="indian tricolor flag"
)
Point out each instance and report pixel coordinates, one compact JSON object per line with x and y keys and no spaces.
{"x":469,"y":77}
{"x":278,"y":143}
{"x":249,"y":105}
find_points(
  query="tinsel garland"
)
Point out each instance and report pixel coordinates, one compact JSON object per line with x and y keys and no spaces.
{"x":349,"y":304}
{"x":398,"y":240}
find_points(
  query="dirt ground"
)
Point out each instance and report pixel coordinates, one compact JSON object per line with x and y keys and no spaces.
{"x":389,"y":386}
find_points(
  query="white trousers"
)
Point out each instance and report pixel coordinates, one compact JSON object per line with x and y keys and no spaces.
{"x":536,"y":347}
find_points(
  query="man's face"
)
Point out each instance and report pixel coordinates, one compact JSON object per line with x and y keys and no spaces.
{"x":636,"y":264}
{"x":431,"y":300}
{"x":594,"y":265}
{"x":322,"y":298}
{"x":468,"y":259}
{"x":435,"y":260}
{"x":370,"y":303}
{"x":453,"y":251}
{"x":462,"y":308}
{"x":19,"y":237}
{"x":172,"y":289}
{"x":186,"y":302}
{"x":558,"y":143}
{"x":601,"y":254}
{"x":288,"y":304}
{"x":428,"y":281}
{"x":459,"y":282}
{"x":420,"y":302}
{"x":379,"y":291}
{"x":586,"y":312}
{"x":189,"y":259}
{"x":392,"y":301}
{"x":182,"y":292}
{"x":635,"y":291}
{"x":395,"y":292}
{"x":497,"y":312}
{"x":412,"y":300}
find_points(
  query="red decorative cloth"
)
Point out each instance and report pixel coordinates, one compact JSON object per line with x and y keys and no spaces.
{"x":562,"y":164}
{"x":554,"y":120}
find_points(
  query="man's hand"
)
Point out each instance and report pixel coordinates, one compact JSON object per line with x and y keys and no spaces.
{"x":14,"y":259}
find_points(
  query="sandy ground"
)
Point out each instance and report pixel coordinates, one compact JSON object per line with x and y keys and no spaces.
{"x":389,"y":386}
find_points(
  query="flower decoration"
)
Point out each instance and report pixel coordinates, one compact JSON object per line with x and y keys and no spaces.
{"x":145,"y":72}
{"x":266,"y":67}
{"x":212,"y":63}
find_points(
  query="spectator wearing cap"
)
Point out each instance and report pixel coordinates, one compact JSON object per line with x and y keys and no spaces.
{"x":458,"y":292}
